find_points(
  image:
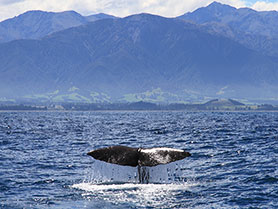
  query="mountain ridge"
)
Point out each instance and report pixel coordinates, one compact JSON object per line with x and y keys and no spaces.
{"x":119,"y":56}
{"x":139,"y":56}
{"x":36,"y":24}
{"x":253,"y":29}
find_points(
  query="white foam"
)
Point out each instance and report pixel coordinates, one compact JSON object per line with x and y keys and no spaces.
{"x":90,"y":187}
{"x":137,"y":195}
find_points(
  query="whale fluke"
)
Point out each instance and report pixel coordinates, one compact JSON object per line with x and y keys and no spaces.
{"x":128,"y":156}
{"x":120,"y":155}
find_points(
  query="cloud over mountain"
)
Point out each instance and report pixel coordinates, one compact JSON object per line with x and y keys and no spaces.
{"x":265,"y":6}
{"x":120,"y":8}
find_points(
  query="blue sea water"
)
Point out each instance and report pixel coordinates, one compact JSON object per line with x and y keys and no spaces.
{"x":43,"y":161}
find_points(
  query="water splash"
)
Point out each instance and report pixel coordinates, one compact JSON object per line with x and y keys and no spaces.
{"x":121,"y":184}
{"x":101,"y":172}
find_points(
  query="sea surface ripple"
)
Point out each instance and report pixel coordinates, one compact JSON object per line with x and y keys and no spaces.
{"x":43,"y":161}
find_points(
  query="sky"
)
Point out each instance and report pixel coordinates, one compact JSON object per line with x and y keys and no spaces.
{"x":122,"y":8}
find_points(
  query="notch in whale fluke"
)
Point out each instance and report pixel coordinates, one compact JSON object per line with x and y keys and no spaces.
{"x":128,"y":156}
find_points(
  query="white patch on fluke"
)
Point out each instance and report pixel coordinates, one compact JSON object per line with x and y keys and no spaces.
{"x":161,"y":154}
{"x":154,"y":150}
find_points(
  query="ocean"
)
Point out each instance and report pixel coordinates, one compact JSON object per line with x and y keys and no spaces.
{"x":44,"y":161}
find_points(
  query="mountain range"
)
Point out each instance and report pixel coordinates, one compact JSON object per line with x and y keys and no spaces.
{"x":253,"y":29}
{"x":214,"y":52}
{"x":37,"y":24}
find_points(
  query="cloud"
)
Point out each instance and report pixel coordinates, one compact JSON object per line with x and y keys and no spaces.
{"x":265,"y":6}
{"x":7,"y":2}
{"x":166,"y":8}
{"x":11,"y":8}
{"x":120,"y":8}
{"x":222,"y":90}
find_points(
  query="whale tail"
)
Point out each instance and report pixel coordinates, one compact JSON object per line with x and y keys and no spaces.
{"x":120,"y":155}
{"x":128,"y":156}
